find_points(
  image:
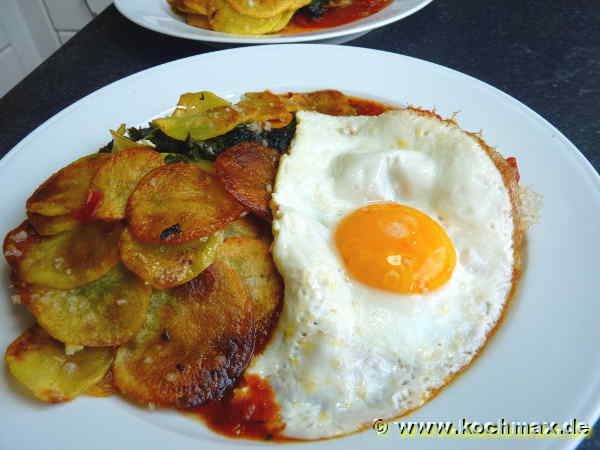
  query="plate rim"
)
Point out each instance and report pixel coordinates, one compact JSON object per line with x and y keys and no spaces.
{"x":355,"y":28}
{"x":591,"y":173}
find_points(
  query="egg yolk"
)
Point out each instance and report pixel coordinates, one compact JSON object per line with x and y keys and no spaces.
{"x":395,"y":248}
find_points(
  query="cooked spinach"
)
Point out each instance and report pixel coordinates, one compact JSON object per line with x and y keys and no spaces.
{"x":107,"y":148}
{"x":209,"y":149}
{"x":172,"y":158}
{"x":163,"y":143}
{"x":280,"y":138}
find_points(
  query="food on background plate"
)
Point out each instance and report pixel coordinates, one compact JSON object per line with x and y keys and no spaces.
{"x":272,"y":16}
{"x":290,"y":266}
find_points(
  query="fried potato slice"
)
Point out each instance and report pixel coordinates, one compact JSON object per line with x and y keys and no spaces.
{"x":223,"y":17}
{"x":106,"y":312}
{"x":197,"y":102}
{"x":207,"y":166}
{"x":190,"y":6}
{"x":196,"y":6}
{"x":266,"y":8}
{"x":197,"y":20}
{"x":329,"y":101}
{"x":264,"y":106}
{"x":252,"y":260}
{"x":196,"y":341}
{"x":179,"y":203}
{"x":103,"y":388}
{"x":66,"y":191}
{"x":16,"y":242}
{"x":51,"y":225}
{"x":284,"y":19}
{"x":69,"y":259}
{"x":248,"y":170}
{"x":166,"y":266}
{"x":251,"y":227}
{"x":118,"y":176}
{"x":39,"y":363}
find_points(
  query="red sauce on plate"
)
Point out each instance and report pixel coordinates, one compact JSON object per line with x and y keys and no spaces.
{"x":368,"y":107}
{"x":249,"y":412}
{"x":334,"y":17}
{"x":513,"y":162}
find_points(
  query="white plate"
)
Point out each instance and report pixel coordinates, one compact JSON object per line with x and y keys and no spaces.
{"x":156,"y":15}
{"x":544,"y":362}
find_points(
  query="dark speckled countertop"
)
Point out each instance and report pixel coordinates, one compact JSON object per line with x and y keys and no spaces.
{"x":545,"y":53}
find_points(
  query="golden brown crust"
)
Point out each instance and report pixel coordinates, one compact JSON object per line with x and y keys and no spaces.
{"x":66,"y":191}
{"x":70,"y":259}
{"x":167,"y":266}
{"x":197,"y":340}
{"x":118,"y":176}
{"x":327,"y":101}
{"x":196,"y":20}
{"x":17,"y":242}
{"x":103,"y":388}
{"x":249,"y":226}
{"x":179,"y":203}
{"x":104,"y":313}
{"x":247,"y":170}
{"x":251,"y":259}
{"x":198,"y":7}
{"x":265,"y":8}
{"x":39,"y":362}
{"x":51,"y":225}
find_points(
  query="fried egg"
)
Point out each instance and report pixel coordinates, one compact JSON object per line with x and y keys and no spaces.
{"x":397,"y":239}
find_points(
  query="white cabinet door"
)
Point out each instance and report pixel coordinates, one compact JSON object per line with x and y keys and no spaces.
{"x":31,"y":30}
{"x":26,"y":39}
{"x":12,"y":69}
{"x":68,"y":15}
{"x":97,"y":6}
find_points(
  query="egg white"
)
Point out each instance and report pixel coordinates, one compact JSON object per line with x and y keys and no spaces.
{"x":343,"y":353}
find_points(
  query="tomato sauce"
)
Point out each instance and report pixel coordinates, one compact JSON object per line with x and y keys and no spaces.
{"x":334,"y":17}
{"x":513,"y":162}
{"x":86,"y":212}
{"x":250,"y":411}
{"x":368,"y":107}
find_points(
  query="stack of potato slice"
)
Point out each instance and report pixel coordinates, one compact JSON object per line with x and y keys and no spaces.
{"x":239,"y":16}
{"x":149,"y":277}
{"x":146,"y":273}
